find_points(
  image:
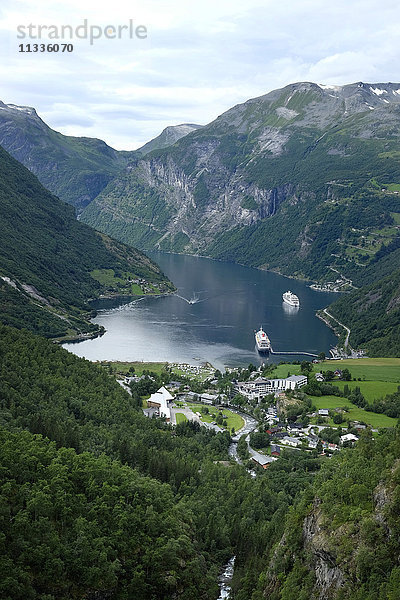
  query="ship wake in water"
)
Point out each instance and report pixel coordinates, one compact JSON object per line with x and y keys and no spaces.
{"x":193,"y":300}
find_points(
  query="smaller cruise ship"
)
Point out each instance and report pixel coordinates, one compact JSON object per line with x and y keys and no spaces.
{"x":262,"y":341}
{"x":291,"y":298}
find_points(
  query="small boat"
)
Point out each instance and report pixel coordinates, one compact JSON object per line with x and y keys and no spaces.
{"x":291,"y":298}
{"x":262,"y":341}
{"x":194,"y":299}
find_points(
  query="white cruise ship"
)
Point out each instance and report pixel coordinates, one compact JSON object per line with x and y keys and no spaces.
{"x":291,"y":298}
{"x":262,"y":341}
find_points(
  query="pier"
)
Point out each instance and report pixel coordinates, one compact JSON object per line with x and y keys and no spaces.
{"x":294,"y":353}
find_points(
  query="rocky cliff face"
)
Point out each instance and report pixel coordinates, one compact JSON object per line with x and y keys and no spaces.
{"x":282,"y":162}
{"x":76,"y":169}
{"x":342,"y":542}
{"x":329,"y":577}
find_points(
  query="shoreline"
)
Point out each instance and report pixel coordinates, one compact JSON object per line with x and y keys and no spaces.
{"x":82,"y":337}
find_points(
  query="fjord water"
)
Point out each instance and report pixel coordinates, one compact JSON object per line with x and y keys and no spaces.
{"x":212,"y":317}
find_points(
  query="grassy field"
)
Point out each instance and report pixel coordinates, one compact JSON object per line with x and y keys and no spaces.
{"x":371,"y":390}
{"x":123,"y":367}
{"x":393,"y":187}
{"x":180,"y":417}
{"x":354,"y":413}
{"x":369,"y":369}
{"x":136,"y":289}
{"x":282,"y":371}
{"x":106,"y":277}
{"x":232,"y":419}
{"x":205,"y":373}
{"x":156,"y":367}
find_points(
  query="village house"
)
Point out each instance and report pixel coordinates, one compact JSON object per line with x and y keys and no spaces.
{"x":175,"y":384}
{"x":292,"y":441}
{"x":275,"y":450}
{"x":329,"y":446}
{"x":294,"y":427}
{"x":208,"y":398}
{"x":348,"y":437}
{"x":273,"y":430}
{"x":262,"y":461}
{"x":281,"y":435}
{"x":311,"y":441}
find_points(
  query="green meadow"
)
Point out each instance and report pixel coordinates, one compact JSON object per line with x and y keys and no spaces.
{"x":368,"y":369}
{"x":354,"y":413}
{"x":371,"y":390}
{"x":232,"y":419}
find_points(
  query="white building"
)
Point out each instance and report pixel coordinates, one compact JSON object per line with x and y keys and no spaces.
{"x":160,"y":400}
{"x":292,"y":441}
{"x":260,"y":387}
{"x":348,"y":437}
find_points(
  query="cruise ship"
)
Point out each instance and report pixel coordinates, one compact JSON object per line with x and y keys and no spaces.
{"x":262,"y":341}
{"x":291,"y":298}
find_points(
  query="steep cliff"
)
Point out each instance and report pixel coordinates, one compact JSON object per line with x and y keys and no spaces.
{"x":341,"y":541}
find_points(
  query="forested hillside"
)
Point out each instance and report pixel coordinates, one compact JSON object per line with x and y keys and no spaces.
{"x":120,"y":505}
{"x":373,"y":315}
{"x":74,"y":526}
{"x":53,"y":263}
{"x":341,"y":541}
{"x":82,"y":525}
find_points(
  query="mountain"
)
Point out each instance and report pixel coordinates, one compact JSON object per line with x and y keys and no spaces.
{"x":168,"y":137}
{"x":51,"y":264}
{"x":304,"y":180}
{"x":76,"y":169}
{"x":373,"y":315}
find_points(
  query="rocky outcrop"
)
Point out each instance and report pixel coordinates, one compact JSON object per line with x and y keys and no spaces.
{"x":329,"y":577}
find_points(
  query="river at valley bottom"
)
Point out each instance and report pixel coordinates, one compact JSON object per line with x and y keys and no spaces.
{"x":211,"y":318}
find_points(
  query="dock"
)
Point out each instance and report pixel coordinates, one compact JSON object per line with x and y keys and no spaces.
{"x":293,"y":353}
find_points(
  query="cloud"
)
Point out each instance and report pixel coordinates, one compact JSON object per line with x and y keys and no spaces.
{"x":200,"y":58}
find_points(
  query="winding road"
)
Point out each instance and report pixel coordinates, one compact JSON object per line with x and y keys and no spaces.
{"x":346,"y":341}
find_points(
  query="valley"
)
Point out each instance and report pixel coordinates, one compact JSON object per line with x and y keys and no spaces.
{"x":253,"y":475}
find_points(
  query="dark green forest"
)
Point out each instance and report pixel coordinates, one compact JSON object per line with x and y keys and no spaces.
{"x":49,"y":256}
{"x":110,"y":473}
{"x":99,"y":501}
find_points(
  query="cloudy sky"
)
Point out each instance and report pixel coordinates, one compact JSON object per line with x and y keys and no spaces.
{"x":200,"y":58}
